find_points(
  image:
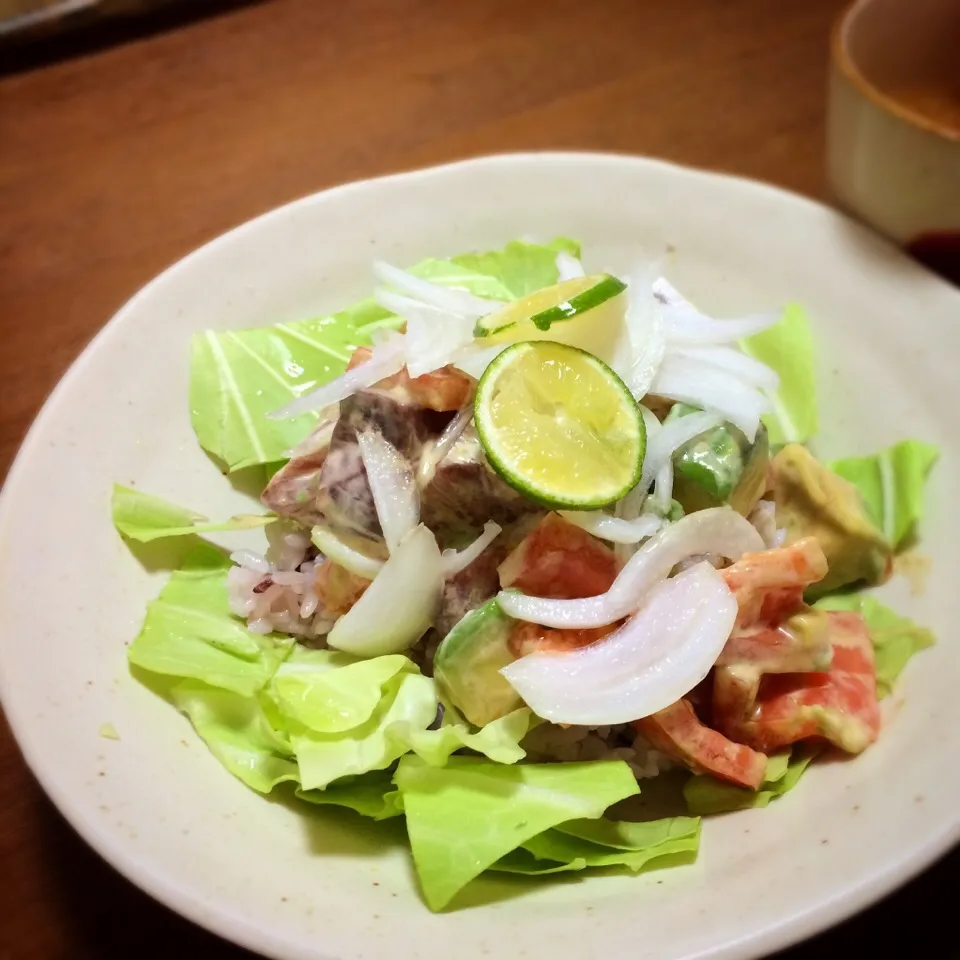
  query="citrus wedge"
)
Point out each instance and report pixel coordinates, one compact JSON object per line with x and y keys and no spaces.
{"x":586,"y":312}
{"x":560,"y":426}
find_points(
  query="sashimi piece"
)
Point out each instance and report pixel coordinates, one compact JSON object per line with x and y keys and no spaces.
{"x":464,"y":492}
{"x":561,"y":561}
{"x":292,"y":490}
{"x":343,"y":497}
{"x":839,"y":705}
{"x":769,"y":585}
{"x":678,"y":732}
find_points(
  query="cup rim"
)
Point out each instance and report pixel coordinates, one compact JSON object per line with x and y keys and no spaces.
{"x":848,"y":67}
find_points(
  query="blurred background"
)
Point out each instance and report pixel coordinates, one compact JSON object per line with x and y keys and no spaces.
{"x":132,"y":131}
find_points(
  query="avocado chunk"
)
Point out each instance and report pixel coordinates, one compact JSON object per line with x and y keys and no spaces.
{"x":468,"y":662}
{"x":720,"y":467}
{"x":812,"y":501}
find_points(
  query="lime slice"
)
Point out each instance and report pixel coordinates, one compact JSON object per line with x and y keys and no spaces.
{"x":560,"y":426}
{"x":541,"y":309}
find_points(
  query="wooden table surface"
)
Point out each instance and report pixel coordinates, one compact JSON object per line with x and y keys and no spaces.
{"x":119,"y":159}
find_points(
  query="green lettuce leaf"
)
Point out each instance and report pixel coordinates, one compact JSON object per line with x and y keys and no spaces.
{"x":464,"y":817}
{"x":670,"y":841}
{"x":788,"y":348}
{"x":706,"y":795}
{"x":144,"y":517}
{"x":409,"y":703}
{"x":189,"y":631}
{"x":398,"y":724}
{"x":327,"y":691}
{"x":895,"y":639}
{"x":582,"y":844}
{"x":238,"y":733}
{"x":238,"y":377}
{"x":891,"y":483}
{"x":499,"y":740}
{"x":372,"y":795}
{"x":520,"y":268}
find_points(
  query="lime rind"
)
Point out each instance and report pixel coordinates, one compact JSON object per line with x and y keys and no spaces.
{"x":604,"y":288}
{"x":553,"y":496}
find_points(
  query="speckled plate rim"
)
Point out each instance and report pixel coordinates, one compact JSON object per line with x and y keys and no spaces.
{"x":805,"y":922}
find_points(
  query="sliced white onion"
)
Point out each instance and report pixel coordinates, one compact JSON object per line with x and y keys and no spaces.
{"x":717,"y":530}
{"x":764,"y":518}
{"x":387,"y":359}
{"x":733,"y":361}
{"x":662,"y":488}
{"x":613,"y":529}
{"x":392,"y":484}
{"x":446,"y":298}
{"x":474,"y":360}
{"x":645,"y":328}
{"x":653,"y":427}
{"x":453,"y":561}
{"x":655,"y":658}
{"x":701,"y":385}
{"x":396,"y":609}
{"x":568,"y":267}
{"x":336,"y":546}
{"x":686,"y":324}
{"x":434,"y":336}
{"x":434,"y":453}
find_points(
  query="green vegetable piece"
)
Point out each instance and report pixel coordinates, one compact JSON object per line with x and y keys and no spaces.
{"x":468,"y":662}
{"x":706,"y":795}
{"x":144,"y":517}
{"x":787,"y":347}
{"x":891,"y":483}
{"x":895,"y":639}
{"x":464,"y":817}
{"x":189,"y":631}
{"x":239,"y":734}
{"x":720,"y":466}
{"x":371,"y":795}
{"x":814,"y":502}
{"x":237,"y":377}
{"x":666,"y":842}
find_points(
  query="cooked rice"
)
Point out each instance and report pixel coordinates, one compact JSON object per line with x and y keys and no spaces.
{"x":550,"y":742}
{"x":277,"y":592}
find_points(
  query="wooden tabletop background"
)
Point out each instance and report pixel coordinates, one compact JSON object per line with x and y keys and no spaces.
{"x":118,"y":158}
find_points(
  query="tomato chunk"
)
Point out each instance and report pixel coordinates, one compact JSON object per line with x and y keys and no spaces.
{"x":769,"y":585}
{"x":838,"y":705}
{"x":338,"y":588}
{"x":559,"y":560}
{"x":678,"y":732}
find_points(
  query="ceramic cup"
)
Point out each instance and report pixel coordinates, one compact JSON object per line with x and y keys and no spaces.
{"x":893,"y":123}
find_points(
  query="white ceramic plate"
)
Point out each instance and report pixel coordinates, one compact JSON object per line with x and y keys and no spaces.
{"x":292,"y":885}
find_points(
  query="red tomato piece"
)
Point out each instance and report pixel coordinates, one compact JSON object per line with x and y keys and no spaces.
{"x":678,"y":732}
{"x":838,"y":705}
{"x":338,"y":588}
{"x":769,"y":585}
{"x":559,"y":560}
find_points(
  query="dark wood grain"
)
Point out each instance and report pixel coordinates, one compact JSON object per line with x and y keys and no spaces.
{"x":117,"y":161}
